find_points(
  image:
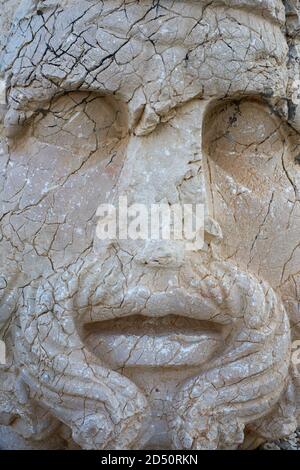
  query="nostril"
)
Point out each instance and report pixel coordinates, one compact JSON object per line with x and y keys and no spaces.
{"x":163,"y":261}
{"x":164,"y":255}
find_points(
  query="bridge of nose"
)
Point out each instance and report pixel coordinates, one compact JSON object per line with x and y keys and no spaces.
{"x":167,"y":167}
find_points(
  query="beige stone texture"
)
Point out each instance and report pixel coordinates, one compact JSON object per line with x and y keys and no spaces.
{"x":144,"y":344}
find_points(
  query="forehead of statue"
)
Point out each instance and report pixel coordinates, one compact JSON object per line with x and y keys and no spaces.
{"x":154,"y":59}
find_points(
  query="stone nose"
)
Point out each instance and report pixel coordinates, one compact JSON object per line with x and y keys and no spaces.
{"x":165,"y":169}
{"x":171,"y":253}
{"x":161,"y":254}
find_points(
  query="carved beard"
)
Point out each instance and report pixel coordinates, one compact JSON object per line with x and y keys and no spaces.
{"x":104,"y":409}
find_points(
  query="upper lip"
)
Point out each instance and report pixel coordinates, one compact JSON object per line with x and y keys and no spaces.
{"x":139,"y":301}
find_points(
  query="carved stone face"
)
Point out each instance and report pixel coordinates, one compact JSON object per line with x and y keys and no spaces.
{"x":133,"y":343}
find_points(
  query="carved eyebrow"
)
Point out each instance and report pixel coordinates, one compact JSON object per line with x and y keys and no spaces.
{"x":269,"y":9}
{"x":14,"y":118}
{"x":27,"y":96}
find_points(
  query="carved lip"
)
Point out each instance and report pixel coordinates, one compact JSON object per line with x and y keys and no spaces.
{"x":137,"y":340}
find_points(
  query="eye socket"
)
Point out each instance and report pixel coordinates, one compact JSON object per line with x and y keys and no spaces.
{"x":244,"y":139}
{"x":79,"y":121}
{"x":73,"y":152}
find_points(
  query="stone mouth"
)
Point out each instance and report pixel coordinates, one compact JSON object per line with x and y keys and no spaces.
{"x":138,"y":340}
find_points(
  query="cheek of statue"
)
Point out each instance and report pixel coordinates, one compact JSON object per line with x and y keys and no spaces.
{"x":254,"y":180}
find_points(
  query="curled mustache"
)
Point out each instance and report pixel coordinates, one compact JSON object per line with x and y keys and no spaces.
{"x":104,"y":409}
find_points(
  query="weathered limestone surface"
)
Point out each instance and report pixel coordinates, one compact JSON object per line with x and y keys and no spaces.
{"x":143,"y":344}
{"x":8,"y":11}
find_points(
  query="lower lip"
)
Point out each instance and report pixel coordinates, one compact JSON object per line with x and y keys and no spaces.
{"x":161,"y":342}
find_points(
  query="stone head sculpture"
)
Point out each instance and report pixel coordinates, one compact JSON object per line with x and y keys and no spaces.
{"x":131,"y":343}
